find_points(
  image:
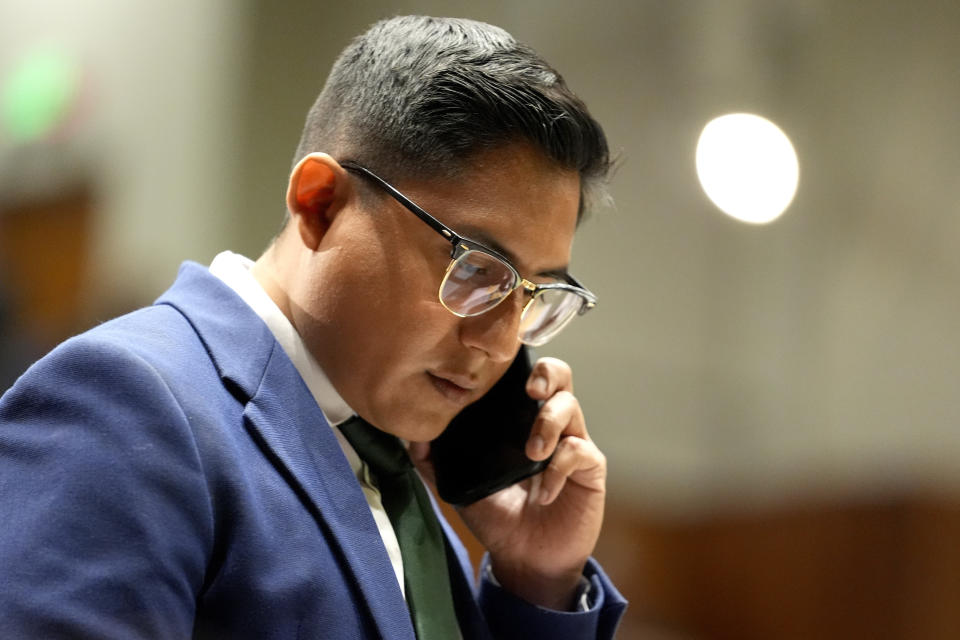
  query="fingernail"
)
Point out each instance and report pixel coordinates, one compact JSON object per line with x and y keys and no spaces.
{"x":545,"y":497}
{"x":534,"y":496}
{"x":540,"y":384}
{"x":538,"y":444}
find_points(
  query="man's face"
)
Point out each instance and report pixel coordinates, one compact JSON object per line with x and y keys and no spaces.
{"x":369,"y":308}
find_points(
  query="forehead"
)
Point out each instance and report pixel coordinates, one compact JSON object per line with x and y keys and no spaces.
{"x":512,"y":199}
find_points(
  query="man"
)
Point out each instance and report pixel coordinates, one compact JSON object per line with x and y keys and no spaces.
{"x":192,"y":469}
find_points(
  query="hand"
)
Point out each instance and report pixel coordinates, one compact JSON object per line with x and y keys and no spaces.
{"x":541,"y":532}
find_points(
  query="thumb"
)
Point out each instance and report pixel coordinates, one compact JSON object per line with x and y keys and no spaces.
{"x":419,"y":453}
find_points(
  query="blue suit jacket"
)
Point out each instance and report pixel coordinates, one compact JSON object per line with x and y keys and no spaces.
{"x":168,"y":475}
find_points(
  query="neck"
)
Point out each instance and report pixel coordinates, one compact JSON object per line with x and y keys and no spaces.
{"x":268,"y":271}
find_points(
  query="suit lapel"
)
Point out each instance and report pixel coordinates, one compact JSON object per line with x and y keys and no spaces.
{"x":282,"y":416}
{"x":291,"y":429}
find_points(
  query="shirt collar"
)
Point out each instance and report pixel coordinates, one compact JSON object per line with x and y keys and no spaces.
{"x":234,"y":270}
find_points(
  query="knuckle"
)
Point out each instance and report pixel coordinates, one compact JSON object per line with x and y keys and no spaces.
{"x":560,"y":403}
{"x":554,"y":411}
{"x":567,"y":398}
{"x":570,"y":447}
{"x":601,"y":459}
{"x":578,"y":446}
{"x":547,"y":415}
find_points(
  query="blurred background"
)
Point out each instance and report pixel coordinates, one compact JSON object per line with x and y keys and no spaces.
{"x":778,"y":402}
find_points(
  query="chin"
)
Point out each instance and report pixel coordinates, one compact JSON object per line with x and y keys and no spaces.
{"x":422,"y":421}
{"x":424,"y":435}
{"x":423,"y":429}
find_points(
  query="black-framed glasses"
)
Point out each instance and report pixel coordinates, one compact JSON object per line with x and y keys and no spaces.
{"x":478,"y":279}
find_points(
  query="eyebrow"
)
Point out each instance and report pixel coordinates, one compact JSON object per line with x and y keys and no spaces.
{"x":479,"y":235}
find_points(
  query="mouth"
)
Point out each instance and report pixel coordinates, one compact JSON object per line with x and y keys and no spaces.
{"x":458,"y":389}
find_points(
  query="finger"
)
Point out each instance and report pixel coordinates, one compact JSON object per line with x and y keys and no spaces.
{"x":575,"y":460}
{"x":548,"y":376}
{"x":559,"y":416}
{"x":419,"y":453}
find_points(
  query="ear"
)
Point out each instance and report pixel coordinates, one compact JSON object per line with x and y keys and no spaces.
{"x":317,"y":191}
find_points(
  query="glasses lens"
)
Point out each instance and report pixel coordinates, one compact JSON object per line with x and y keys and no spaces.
{"x":547,"y":314}
{"x":476,"y":282}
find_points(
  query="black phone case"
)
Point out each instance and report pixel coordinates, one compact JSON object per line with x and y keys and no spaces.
{"x":483,"y":448}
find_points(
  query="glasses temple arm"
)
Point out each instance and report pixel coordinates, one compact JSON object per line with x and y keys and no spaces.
{"x":413,"y":207}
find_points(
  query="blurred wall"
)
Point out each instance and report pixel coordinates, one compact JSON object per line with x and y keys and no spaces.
{"x":152,"y":128}
{"x":726,"y":364}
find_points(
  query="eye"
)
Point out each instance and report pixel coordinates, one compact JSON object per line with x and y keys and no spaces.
{"x":470,"y":270}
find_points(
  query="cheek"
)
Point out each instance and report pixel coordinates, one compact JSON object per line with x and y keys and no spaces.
{"x":380,"y":327}
{"x":396,"y":317}
{"x":410,"y":338}
{"x":389,"y":331}
{"x":390,"y":378}
{"x":401,"y":279}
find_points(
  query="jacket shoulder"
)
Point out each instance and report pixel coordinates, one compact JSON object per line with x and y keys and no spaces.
{"x":98,"y":465}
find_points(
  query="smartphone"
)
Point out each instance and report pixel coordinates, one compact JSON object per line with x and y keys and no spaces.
{"x":483,"y":449}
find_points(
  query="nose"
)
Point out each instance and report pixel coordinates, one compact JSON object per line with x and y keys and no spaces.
{"x":495,"y":332}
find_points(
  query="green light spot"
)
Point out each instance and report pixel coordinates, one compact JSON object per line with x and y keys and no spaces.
{"x":36,"y":95}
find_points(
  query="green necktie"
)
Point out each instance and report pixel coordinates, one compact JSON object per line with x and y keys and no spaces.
{"x":426,"y":580}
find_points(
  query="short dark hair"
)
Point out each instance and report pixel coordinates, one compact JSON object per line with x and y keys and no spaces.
{"x":416,"y":96}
